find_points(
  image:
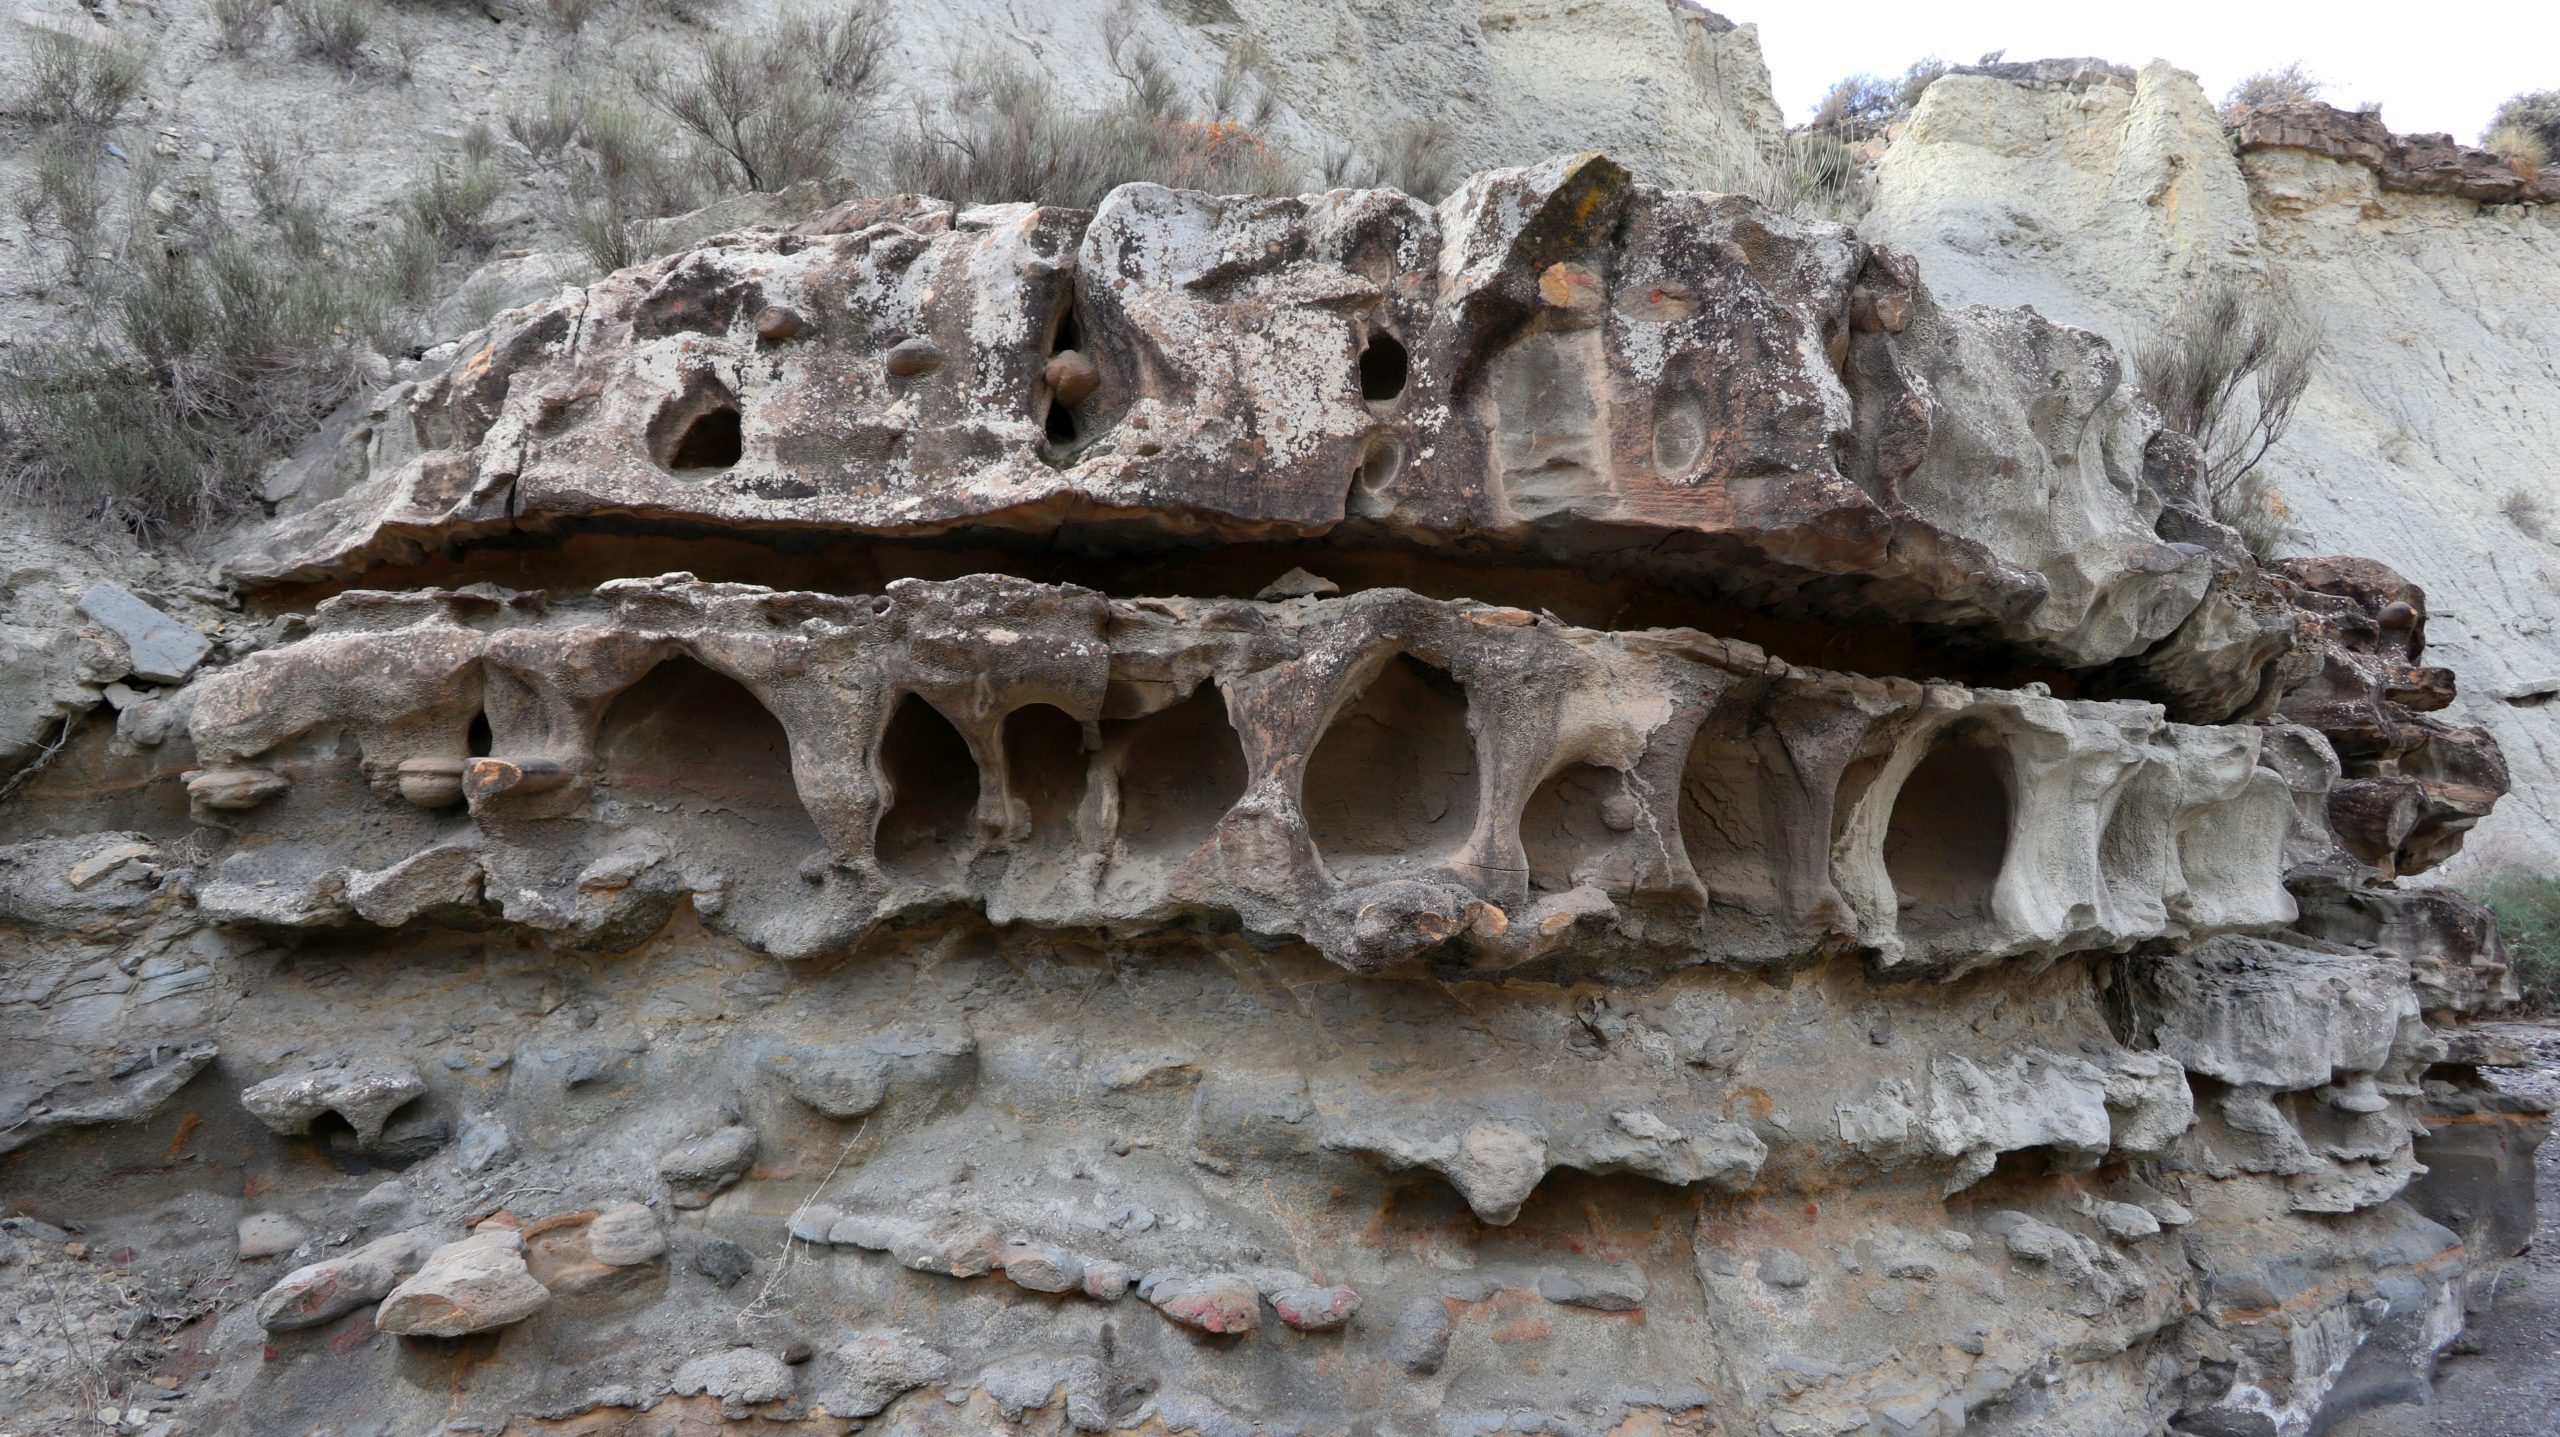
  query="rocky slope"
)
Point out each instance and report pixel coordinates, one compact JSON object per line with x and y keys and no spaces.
{"x":1304,"y":815}
{"x":2105,"y":198}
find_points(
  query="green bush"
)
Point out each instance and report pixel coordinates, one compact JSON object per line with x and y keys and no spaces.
{"x":2536,"y":114}
{"x":2527,"y":906}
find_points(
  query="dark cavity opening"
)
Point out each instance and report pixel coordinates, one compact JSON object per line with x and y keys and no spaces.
{"x":1384,"y":367}
{"x":931,"y":794}
{"x":477,"y":742}
{"x":1059,"y":423}
{"x":1044,"y":769}
{"x":1565,"y":828}
{"x":1725,"y":826}
{"x":1180,"y":770}
{"x":1949,"y":835}
{"x":1069,"y":335}
{"x":714,"y":440}
{"x":1392,"y":784}
{"x":695,"y":740}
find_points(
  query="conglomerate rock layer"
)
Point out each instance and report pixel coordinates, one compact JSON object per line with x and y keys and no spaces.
{"x":1579,"y":811}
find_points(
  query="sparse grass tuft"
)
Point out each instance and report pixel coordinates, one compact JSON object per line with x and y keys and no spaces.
{"x":2522,"y":149}
{"x":2527,"y":906}
{"x":2228,"y":372}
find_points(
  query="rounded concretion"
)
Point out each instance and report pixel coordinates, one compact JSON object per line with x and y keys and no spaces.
{"x":778,"y":323}
{"x":432,"y":782}
{"x":909,"y":358}
{"x":1071,"y":377}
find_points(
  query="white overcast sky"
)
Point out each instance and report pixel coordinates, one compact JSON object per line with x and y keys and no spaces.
{"x":2441,"y":66}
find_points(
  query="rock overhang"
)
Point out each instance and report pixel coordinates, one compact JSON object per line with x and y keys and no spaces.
{"x":1555,"y":366}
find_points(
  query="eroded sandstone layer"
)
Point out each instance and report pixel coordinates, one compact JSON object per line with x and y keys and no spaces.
{"x":1578,"y":812}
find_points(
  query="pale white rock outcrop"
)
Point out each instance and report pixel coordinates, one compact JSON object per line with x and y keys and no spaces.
{"x":2425,"y":438}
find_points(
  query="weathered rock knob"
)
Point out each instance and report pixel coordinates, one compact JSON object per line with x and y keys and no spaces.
{"x":432,"y":782}
{"x":778,"y":323}
{"x":489,"y":777}
{"x":234,"y":788}
{"x":1071,"y":376}
{"x":911,"y":357}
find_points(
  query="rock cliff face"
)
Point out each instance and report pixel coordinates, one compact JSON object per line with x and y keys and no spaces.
{"x":2103,"y":196}
{"x":1580,"y":811}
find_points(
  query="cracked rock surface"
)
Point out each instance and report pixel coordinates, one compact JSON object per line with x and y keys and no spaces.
{"x":1579,"y":811}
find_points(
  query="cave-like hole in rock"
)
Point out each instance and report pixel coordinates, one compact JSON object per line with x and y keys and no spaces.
{"x":696,"y":741}
{"x":1950,"y":834}
{"x":1044,"y":761}
{"x":476,"y":742}
{"x":1565,"y":826}
{"x":1059,"y":423}
{"x":715,"y":439}
{"x":1180,"y":770}
{"x":1725,"y":827}
{"x":1384,"y":367}
{"x":933,"y":793}
{"x":1393,"y":782}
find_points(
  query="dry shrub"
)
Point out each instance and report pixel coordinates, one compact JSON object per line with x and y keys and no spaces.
{"x":81,"y":83}
{"x":1008,"y":135}
{"x":1860,"y":106}
{"x":1856,"y":104}
{"x":765,"y":111}
{"x":240,"y":26}
{"x":211,"y":346}
{"x":2284,"y":85}
{"x":1810,"y":175}
{"x":66,"y":202}
{"x":216,"y":354}
{"x":332,"y":30}
{"x":1419,"y":157}
{"x":2228,"y":371}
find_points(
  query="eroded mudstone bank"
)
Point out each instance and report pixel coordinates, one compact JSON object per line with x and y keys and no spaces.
{"x":1231,"y":990}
